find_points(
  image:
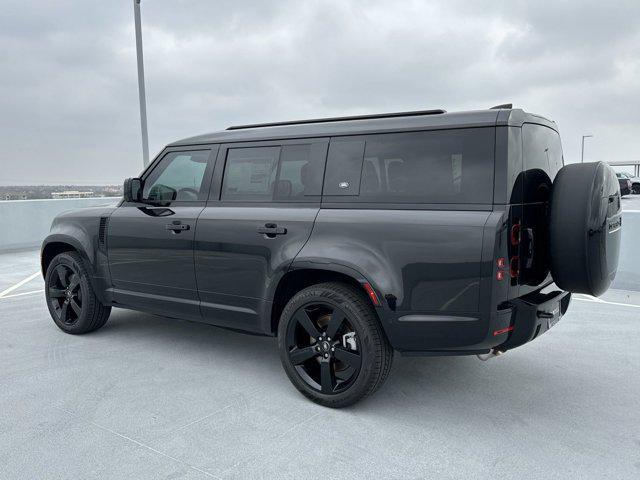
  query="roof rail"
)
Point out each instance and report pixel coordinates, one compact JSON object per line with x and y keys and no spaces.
{"x":340,"y":119}
{"x":504,"y":105}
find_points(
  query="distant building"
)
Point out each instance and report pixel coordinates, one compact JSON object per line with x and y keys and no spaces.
{"x":14,"y":196}
{"x":72,"y":194}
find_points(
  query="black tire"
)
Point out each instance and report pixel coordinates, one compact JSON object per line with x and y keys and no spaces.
{"x":71,"y":300}
{"x":636,"y":188}
{"x":371,"y":344}
{"x":585,"y":228}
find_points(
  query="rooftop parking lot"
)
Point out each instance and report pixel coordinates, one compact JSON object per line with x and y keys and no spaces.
{"x":153,"y":397}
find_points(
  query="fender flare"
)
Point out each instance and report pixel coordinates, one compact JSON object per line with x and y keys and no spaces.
{"x":71,"y":241}
{"x":97,"y":283}
{"x":325,"y":265}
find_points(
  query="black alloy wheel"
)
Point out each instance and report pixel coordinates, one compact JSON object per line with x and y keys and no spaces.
{"x":322,"y":346}
{"x":65,"y":294}
{"x":332,"y":345}
{"x":71,"y":299}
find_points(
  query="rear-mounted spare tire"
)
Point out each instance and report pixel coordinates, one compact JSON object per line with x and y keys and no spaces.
{"x":585,"y":228}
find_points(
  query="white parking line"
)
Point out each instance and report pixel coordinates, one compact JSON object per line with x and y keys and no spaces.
{"x":586,"y":298}
{"x":22,"y":294}
{"x":19,"y":284}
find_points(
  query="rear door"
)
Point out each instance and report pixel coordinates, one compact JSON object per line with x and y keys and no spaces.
{"x":260,"y":213}
{"x":150,"y":243}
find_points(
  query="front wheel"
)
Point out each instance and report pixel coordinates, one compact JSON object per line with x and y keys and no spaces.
{"x":72,"y":303}
{"x":332,"y":346}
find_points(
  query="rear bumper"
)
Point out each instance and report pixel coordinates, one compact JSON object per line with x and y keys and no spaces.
{"x":514,"y":323}
{"x":532,"y":315}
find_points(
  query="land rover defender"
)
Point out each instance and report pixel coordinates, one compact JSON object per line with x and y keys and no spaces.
{"x":424,"y":233}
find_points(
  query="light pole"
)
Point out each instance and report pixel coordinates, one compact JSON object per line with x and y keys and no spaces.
{"x":582,"y":155}
{"x":141,"y":93}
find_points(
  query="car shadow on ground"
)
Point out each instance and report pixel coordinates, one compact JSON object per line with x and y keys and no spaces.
{"x":522,"y":383}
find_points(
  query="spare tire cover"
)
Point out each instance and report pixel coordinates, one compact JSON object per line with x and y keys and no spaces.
{"x":585,"y":227}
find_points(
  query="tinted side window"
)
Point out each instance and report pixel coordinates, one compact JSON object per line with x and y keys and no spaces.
{"x":344,"y":165}
{"x":288,"y":173}
{"x":446,"y":166}
{"x":300,"y":172}
{"x":250,"y":173}
{"x":542,"y":153}
{"x":179,"y":176}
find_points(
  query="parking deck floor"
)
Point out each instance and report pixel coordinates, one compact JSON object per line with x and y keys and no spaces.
{"x":149,"y":397}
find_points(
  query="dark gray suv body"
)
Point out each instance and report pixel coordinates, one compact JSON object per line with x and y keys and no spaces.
{"x":439,"y":220}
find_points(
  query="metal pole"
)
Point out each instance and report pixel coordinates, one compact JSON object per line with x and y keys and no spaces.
{"x":582,"y":155}
{"x":141,"y":92}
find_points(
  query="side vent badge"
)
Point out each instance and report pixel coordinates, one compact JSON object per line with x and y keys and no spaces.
{"x":343,"y":184}
{"x":102,"y":232}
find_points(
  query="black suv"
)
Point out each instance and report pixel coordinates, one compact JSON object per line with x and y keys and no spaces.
{"x":429,"y":233}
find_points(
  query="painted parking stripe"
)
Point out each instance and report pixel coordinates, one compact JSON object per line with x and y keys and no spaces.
{"x":586,"y":298}
{"x":22,"y":294}
{"x":19,"y":284}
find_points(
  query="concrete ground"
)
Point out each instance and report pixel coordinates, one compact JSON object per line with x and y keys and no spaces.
{"x":149,"y":397}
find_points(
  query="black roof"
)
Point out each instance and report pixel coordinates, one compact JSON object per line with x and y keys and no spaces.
{"x":366,"y":124}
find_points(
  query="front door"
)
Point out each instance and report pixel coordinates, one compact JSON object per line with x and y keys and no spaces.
{"x":150,"y":243}
{"x":261,"y":211}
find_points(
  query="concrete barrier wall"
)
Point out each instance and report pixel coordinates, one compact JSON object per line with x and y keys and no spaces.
{"x":25,"y":223}
{"x":628,"y":276}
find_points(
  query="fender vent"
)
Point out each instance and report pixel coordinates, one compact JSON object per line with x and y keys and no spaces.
{"x":102,"y":233}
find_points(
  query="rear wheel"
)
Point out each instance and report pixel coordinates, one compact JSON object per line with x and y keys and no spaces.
{"x":72,"y":303}
{"x":332,"y":346}
{"x":636,"y":188}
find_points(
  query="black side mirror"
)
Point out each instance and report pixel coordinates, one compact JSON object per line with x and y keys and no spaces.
{"x":132,"y":189}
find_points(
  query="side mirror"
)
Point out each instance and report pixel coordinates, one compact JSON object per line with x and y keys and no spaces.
{"x":132,"y":189}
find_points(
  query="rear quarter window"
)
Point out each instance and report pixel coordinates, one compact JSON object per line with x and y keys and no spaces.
{"x":444,"y":166}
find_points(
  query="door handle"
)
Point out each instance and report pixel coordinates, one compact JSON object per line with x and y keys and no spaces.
{"x":271,"y":230}
{"x":177,"y":227}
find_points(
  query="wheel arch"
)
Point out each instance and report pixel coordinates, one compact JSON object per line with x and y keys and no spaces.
{"x":305,"y":274}
{"x":54,"y":245}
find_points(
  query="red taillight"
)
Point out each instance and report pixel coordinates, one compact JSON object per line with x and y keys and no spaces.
{"x":501,"y":263}
{"x":503,"y":330}
{"x":515,"y":234}
{"x":514,"y":267}
{"x":372,"y":294}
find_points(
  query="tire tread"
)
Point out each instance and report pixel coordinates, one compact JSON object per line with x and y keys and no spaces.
{"x":362,"y":306}
{"x":97,"y":312}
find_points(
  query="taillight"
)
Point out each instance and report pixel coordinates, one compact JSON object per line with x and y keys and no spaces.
{"x":515,"y":234}
{"x":514,"y":266}
{"x":501,"y":263}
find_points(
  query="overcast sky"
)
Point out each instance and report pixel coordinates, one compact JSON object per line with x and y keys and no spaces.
{"x":68,"y":89}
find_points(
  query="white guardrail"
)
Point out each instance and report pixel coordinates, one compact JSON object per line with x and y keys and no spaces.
{"x":25,"y":223}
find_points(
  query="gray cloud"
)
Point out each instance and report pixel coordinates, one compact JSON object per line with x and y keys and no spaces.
{"x":68,"y":92}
